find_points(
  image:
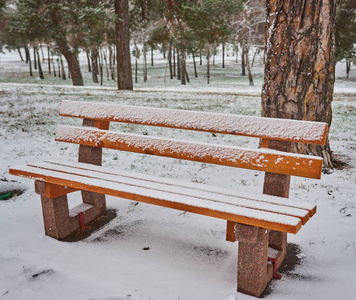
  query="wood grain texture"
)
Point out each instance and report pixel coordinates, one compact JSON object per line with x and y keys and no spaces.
{"x":258,"y":159}
{"x":290,"y":225}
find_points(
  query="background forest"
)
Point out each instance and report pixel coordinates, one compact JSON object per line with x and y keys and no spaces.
{"x":47,"y":32}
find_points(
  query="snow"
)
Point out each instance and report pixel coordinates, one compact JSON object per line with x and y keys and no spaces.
{"x":239,"y":207}
{"x":256,"y":159}
{"x":188,"y":257}
{"x":291,"y":130}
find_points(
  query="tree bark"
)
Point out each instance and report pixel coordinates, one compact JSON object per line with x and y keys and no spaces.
{"x":34,"y":57}
{"x":49,"y":59}
{"x":250,"y":79}
{"x":19,"y":51}
{"x":174,"y":62}
{"x":62,"y":67}
{"x":40,"y":72}
{"x":169,"y":55}
{"x":72,"y":61}
{"x":195,"y":66}
{"x":300,"y":65}
{"x":243,"y":66}
{"x":223,"y":55}
{"x":124,"y":72}
{"x":28,"y":59}
{"x":208,"y":66}
{"x":94,"y":63}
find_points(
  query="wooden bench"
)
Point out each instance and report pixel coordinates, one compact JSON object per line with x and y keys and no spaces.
{"x":259,"y":222}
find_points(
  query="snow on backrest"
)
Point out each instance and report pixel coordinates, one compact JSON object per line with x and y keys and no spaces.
{"x":269,"y":128}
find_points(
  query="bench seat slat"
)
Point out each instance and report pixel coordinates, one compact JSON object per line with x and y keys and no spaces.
{"x":225,"y":211}
{"x":304,"y":215}
{"x":278,"y":129}
{"x":192,"y":186}
{"x":266,"y":160}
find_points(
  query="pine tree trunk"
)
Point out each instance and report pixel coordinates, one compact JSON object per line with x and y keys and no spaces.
{"x":88,"y":60}
{"x":195,"y":66}
{"x":110,"y":62}
{"x":54,"y":68}
{"x":28,"y":59}
{"x":223,"y":55}
{"x":19,"y":51}
{"x":136,"y":61}
{"x":34,"y":57}
{"x":49,"y":59}
{"x":169,"y":55}
{"x":144,"y":54}
{"x":250,"y":79}
{"x":174,"y":62}
{"x":72,"y":61}
{"x":178,"y":65}
{"x":208,"y":66}
{"x":348,"y":68}
{"x":101,"y":66}
{"x":182,"y":67}
{"x":94,"y":64}
{"x":124,"y":72}
{"x":300,"y":65}
{"x":62,"y":67}
{"x":243,"y":66}
{"x":59,"y":68}
{"x":40,"y":72}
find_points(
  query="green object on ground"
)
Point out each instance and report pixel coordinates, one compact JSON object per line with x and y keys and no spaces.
{"x":8,"y":195}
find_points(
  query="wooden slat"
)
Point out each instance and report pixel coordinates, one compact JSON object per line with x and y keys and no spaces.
{"x":158,"y":185}
{"x":190,"y":204}
{"x":268,"y":128}
{"x":198,"y":188}
{"x":260,"y":159}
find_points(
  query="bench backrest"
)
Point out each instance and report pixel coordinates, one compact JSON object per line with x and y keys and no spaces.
{"x":263,"y":159}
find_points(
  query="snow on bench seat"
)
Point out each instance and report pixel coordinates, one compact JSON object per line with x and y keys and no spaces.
{"x":172,"y":193}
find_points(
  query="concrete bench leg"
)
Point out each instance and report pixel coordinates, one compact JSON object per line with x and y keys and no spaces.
{"x":58,"y":222}
{"x":254,"y":273}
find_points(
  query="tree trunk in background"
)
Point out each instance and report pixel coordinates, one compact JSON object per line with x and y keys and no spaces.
{"x":49,"y":59}
{"x":195,"y":66}
{"x":124,"y":72}
{"x":28,"y":59}
{"x":223,"y":55}
{"x":144,"y":54}
{"x":169,"y":55}
{"x":208,"y":66}
{"x":300,"y":65}
{"x":72,"y":61}
{"x":174,"y":62}
{"x":34,"y":57}
{"x":62,"y":67}
{"x":94,"y":63}
{"x":243,"y":67}
{"x":182,"y":67}
{"x":19,"y":51}
{"x":88,"y":60}
{"x":40,"y":72}
{"x":250,"y":79}
{"x":178,"y":64}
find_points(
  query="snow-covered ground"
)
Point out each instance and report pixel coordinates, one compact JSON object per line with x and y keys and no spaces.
{"x":188,"y":257}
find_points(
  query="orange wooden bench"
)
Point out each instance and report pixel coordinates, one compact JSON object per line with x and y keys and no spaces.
{"x":259,"y":222}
